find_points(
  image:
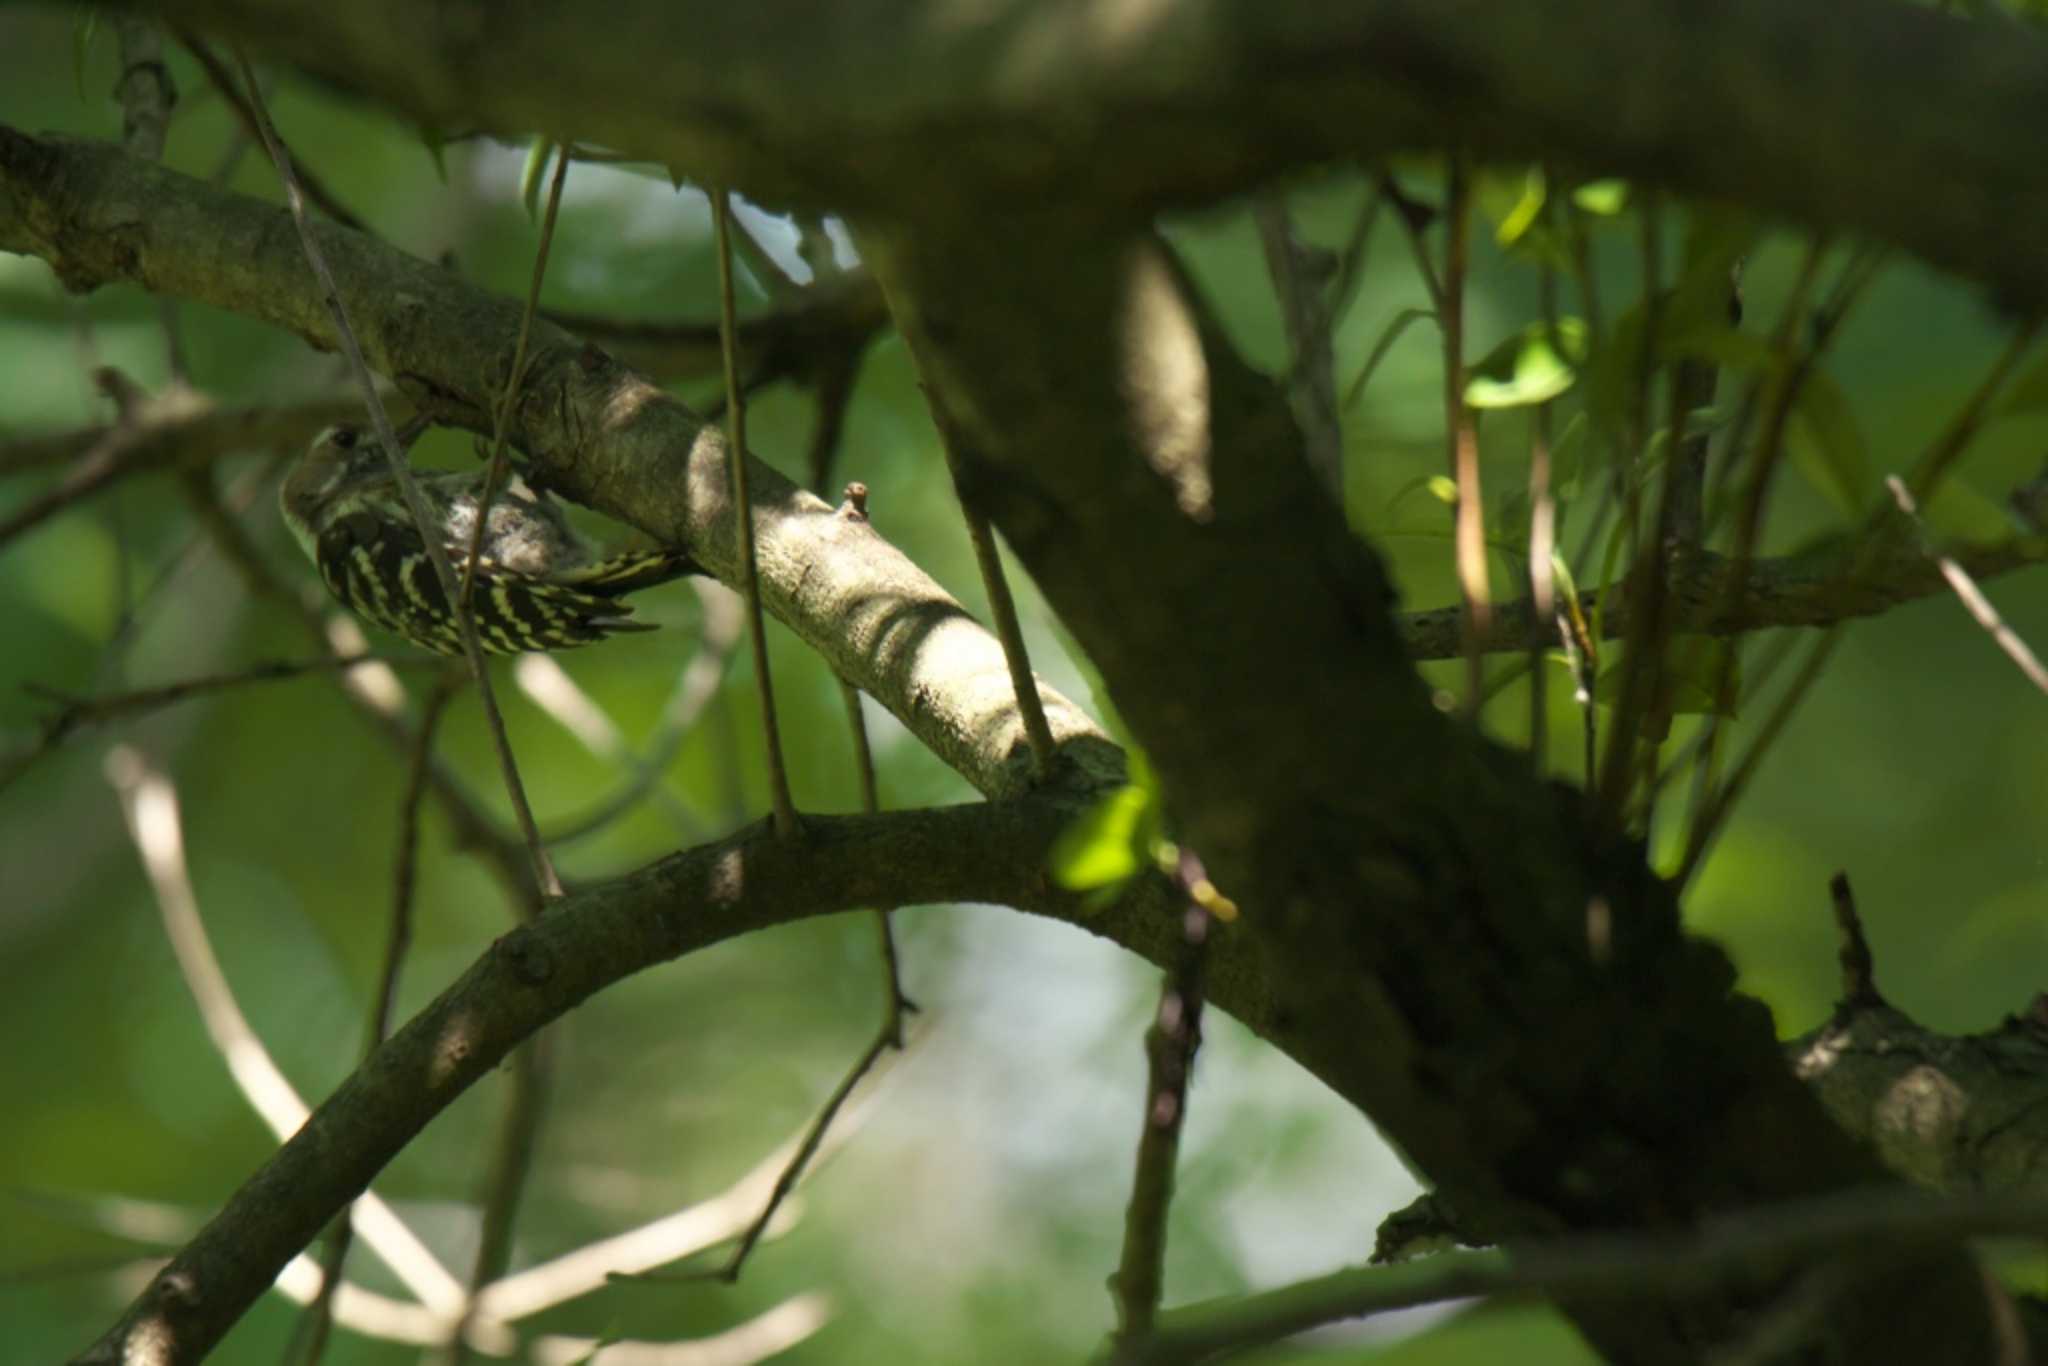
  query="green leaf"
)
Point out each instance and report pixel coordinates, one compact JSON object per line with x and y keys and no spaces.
{"x":538,"y":153}
{"x":1530,"y":366}
{"x":1603,"y":197}
{"x":1524,"y":212}
{"x":1958,"y":511}
{"x":1114,"y":840}
{"x":1827,"y":444}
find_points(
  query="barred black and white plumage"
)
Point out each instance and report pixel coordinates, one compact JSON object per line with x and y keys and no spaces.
{"x":539,"y":586}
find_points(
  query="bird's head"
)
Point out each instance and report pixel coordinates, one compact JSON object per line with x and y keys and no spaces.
{"x":340,"y":458}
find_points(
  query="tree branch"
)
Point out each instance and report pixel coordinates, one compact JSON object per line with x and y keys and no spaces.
{"x":1710,"y":597}
{"x":601,"y":433}
{"x":1411,"y":884}
{"x":1764,"y":101}
{"x":593,"y":938}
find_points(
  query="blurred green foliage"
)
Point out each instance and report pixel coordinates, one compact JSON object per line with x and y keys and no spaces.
{"x":978,"y":1207}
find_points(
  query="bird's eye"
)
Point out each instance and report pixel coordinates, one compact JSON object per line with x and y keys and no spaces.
{"x":345,"y":437}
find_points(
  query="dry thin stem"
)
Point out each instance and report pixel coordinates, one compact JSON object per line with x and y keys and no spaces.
{"x":404,"y":867}
{"x":316,"y":1326}
{"x":1974,"y":602}
{"x":743,"y":520}
{"x":896,"y":1004}
{"x":502,"y":413}
{"x":889,"y":1035}
{"x":372,"y":691}
{"x":696,"y":688}
{"x":1003,"y":608}
{"x":518,"y":1138}
{"x":150,"y":804}
{"x":813,"y":1137}
{"x":250,"y":113}
{"x":1460,"y":432}
{"x":1170,"y":1046}
{"x":543,"y":870}
{"x":79,"y":713}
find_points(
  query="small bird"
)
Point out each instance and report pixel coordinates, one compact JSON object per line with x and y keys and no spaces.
{"x":539,"y":585}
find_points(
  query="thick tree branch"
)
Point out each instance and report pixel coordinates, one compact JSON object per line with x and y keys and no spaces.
{"x":1777,"y":103}
{"x":1817,"y":588}
{"x":601,"y":433}
{"x":985,"y":853}
{"x":1468,"y":952}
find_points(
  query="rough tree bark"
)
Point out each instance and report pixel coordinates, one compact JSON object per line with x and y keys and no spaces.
{"x":1418,"y":904}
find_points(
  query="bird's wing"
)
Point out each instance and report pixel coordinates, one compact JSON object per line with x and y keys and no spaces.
{"x":382,"y":571}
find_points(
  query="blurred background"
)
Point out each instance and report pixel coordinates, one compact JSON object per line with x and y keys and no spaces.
{"x":975,"y":1205}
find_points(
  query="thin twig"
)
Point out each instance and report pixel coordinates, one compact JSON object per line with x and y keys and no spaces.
{"x":1641,"y":716}
{"x":384,"y":1001}
{"x":128,"y":445}
{"x":316,"y":1325}
{"x":1873,"y":545}
{"x":696,"y":688}
{"x":518,"y":1137}
{"x":251,"y":114}
{"x":1859,"y":965}
{"x":784,"y":806}
{"x":1415,"y":217}
{"x":373,"y":693}
{"x":1871,"y":1227}
{"x":1974,"y":602}
{"x":895,"y":1004}
{"x":77,"y":713}
{"x":1003,"y":609}
{"x":1299,"y":275}
{"x":501,"y":414}
{"x":150,"y":805}
{"x":1714,"y":811}
{"x":544,"y":871}
{"x":1170,"y":1047}
{"x":801,"y":1158}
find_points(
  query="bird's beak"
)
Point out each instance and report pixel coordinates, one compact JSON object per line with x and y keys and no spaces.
{"x":412,"y":428}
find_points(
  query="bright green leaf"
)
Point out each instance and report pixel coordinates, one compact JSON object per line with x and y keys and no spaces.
{"x":1534,"y":365}
{"x":1518,"y":218}
{"x":538,"y":154}
{"x":1113,"y":841}
{"x":1443,"y":488}
{"x":1603,"y":197}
